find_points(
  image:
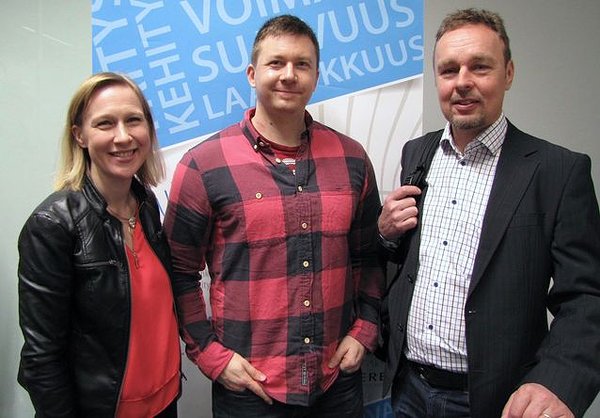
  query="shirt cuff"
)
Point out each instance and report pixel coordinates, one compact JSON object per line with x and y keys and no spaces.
{"x":214,"y":359}
{"x":364,"y":332}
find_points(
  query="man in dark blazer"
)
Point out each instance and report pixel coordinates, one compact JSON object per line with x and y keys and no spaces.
{"x":488,"y":219}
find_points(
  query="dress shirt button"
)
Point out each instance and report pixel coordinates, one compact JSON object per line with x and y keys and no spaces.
{"x":463,"y":163}
{"x":262,"y":144}
{"x":278,"y":160}
{"x":300,"y":188}
{"x":305,"y":263}
{"x":255,"y":147}
{"x":430,"y":326}
{"x":445,"y":242}
{"x":306,"y":340}
{"x":258,"y":195}
{"x":454,"y":201}
{"x":304,"y":225}
{"x":307,"y":303}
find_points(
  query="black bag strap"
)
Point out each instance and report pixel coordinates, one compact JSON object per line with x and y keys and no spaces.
{"x":417,"y":176}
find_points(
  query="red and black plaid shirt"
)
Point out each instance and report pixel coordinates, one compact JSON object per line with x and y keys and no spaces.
{"x":292,"y":258}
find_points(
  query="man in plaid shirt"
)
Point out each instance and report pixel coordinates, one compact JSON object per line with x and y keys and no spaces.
{"x":282,"y":210}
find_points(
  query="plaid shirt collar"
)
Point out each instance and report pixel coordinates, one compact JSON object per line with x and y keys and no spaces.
{"x":256,"y":139}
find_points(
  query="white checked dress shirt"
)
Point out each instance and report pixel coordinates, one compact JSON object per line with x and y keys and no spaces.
{"x":453,"y":211}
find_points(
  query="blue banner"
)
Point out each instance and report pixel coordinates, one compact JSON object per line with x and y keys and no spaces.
{"x":190,"y":57}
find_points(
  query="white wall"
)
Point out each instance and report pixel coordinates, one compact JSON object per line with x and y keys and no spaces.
{"x":45,"y":54}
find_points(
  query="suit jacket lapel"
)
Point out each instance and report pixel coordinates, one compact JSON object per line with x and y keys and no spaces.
{"x":516,"y":167}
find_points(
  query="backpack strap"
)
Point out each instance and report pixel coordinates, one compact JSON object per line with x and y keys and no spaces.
{"x":417,"y":176}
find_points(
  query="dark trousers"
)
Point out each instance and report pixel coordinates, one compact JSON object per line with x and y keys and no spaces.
{"x":344,"y":399}
{"x":412,"y":397}
{"x":170,"y":411}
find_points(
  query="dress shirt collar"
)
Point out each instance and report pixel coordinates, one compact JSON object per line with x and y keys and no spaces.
{"x":491,"y":138}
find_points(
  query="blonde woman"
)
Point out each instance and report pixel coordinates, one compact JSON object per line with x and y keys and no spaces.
{"x":95,"y":302}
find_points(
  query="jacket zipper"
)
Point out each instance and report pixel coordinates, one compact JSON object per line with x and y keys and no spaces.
{"x":128,"y":284}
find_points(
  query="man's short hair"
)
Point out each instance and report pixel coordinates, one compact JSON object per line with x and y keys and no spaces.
{"x":284,"y":25}
{"x":473,"y":16}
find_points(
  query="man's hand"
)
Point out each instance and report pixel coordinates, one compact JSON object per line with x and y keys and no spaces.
{"x":399,"y":212}
{"x":240,"y":374}
{"x":533,"y":400}
{"x":348,"y":356}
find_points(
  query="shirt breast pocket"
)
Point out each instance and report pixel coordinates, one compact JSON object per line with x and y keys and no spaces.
{"x":337,"y":211}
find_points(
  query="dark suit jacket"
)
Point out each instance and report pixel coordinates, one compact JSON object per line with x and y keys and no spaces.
{"x":541,"y":223}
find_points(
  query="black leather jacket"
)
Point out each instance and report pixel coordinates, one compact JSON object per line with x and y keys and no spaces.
{"x":74,"y":301}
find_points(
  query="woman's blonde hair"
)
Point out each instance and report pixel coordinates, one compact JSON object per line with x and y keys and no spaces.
{"x":74,"y":159}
